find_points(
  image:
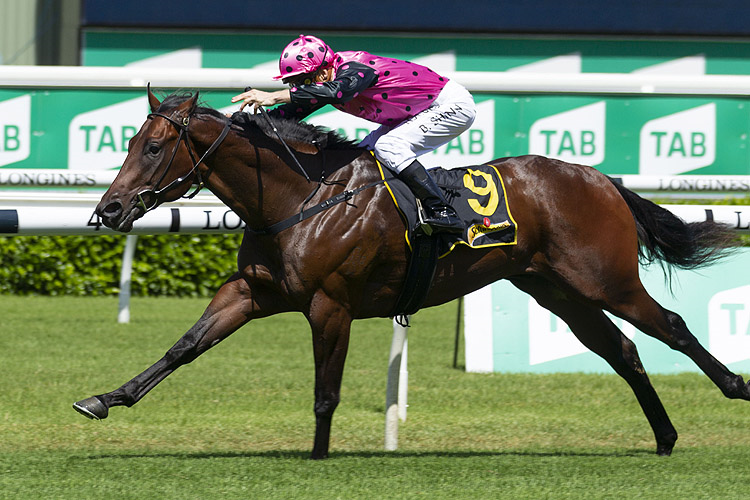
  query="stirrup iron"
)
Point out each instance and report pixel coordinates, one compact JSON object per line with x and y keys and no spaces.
{"x":422,"y":224}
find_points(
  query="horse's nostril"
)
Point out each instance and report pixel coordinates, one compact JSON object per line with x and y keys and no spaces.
{"x":112,"y":209}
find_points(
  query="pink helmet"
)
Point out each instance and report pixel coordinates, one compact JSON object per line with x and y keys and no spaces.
{"x":306,"y":54}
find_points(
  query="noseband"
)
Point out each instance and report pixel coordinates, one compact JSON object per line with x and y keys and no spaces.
{"x":154,"y":195}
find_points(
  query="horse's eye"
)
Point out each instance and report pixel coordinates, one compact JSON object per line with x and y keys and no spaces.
{"x":154,"y":149}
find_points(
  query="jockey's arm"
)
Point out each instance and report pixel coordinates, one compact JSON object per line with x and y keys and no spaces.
{"x":301,"y":100}
{"x":351,"y":79}
{"x":261,"y":98}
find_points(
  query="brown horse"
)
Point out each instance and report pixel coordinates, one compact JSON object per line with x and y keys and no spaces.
{"x":580,"y":238}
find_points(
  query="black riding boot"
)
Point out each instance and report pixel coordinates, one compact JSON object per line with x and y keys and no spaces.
{"x":441,"y":217}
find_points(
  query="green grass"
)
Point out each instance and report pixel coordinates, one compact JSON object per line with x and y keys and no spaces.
{"x":238,"y":422}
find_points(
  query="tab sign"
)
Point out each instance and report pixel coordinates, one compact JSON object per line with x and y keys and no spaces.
{"x":729,"y":325}
{"x":15,"y":129}
{"x":575,"y":136}
{"x":679,"y":143}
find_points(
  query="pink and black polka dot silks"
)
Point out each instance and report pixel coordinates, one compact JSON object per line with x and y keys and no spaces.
{"x":401,"y":90}
{"x":394,"y":92}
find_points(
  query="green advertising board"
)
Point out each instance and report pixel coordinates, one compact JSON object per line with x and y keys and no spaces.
{"x":515,"y":334}
{"x":659,"y":135}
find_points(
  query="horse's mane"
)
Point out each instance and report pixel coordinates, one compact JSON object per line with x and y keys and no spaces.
{"x":288,"y":128}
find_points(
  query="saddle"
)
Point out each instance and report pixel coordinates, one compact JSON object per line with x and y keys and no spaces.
{"x":477,"y":193}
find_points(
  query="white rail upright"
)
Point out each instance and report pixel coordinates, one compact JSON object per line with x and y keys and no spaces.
{"x":126,"y":275}
{"x":395,"y":392}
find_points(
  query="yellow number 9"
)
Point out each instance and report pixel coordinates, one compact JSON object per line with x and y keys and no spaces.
{"x":489,"y":189}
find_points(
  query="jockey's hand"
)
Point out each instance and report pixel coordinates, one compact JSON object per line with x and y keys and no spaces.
{"x":257,"y":98}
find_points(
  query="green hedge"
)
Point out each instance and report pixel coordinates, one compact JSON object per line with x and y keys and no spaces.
{"x":174,"y":265}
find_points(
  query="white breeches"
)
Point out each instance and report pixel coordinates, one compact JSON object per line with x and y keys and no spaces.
{"x":451,"y":114}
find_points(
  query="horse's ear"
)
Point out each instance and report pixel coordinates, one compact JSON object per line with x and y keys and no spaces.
{"x":193,"y":102}
{"x":153,"y":101}
{"x":187,"y":107}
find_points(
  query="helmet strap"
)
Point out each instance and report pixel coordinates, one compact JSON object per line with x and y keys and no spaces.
{"x":320,"y":66}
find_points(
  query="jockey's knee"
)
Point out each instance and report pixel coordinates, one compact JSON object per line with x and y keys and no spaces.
{"x":394,"y":152}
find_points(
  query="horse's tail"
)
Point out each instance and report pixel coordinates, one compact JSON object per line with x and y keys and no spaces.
{"x":666,"y":238}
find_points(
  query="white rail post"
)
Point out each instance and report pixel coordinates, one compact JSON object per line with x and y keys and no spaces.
{"x":396,"y":363}
{"x":403,"y":380}
{"x":126,"y":272}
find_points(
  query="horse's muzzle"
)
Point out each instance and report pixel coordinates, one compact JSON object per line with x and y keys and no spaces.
{"x":114,"y":216}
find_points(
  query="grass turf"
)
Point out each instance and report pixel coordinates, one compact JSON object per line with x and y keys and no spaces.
{"x":238,"y":422}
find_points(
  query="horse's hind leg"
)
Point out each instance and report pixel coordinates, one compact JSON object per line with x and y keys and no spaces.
{"x":643,"y":312}
{"x":597,"y":332}
{"x":232,"y":307}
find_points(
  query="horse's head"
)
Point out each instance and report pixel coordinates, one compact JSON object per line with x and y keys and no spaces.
{"x":160,"y":166}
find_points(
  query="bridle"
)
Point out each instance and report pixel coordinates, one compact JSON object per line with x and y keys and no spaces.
{"x":148,"y":199}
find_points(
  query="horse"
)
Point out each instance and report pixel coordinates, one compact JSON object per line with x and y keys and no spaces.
{"x":580,"y":240}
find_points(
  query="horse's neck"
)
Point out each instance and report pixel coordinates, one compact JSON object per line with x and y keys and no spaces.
{"x":257,"y":179}
{"x":254,"y":183}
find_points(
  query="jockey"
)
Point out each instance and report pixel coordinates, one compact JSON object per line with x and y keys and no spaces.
{"x":417,"y":109}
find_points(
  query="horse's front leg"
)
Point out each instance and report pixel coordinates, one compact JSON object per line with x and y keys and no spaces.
{"x":233,"y":306}
{"x":331,"y":325}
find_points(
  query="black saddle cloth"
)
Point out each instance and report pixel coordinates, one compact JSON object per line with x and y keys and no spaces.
{"x":477,"y":193}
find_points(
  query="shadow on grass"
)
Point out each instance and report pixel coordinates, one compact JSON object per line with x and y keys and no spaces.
{"x":305,"y":455}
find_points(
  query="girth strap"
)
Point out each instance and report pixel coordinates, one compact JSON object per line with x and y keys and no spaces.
{"x":419,"y":274}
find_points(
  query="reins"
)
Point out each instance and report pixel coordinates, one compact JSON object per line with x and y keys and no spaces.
{"x":155,"y":193}
{"x":276,"y":131}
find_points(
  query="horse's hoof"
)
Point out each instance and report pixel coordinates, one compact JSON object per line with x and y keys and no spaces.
{"x":664,"y":450}
{"x":317,"y":455}
{"x":92,"y":408}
